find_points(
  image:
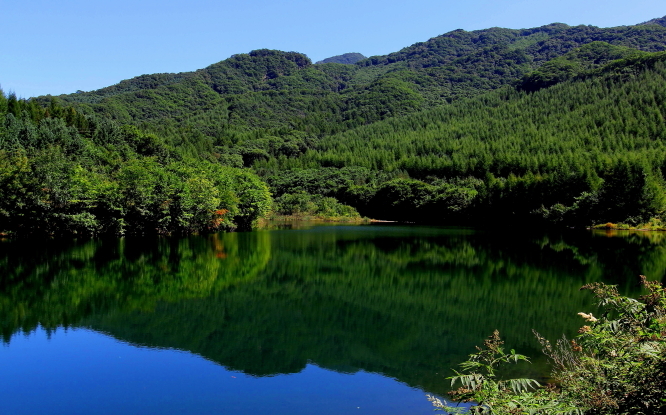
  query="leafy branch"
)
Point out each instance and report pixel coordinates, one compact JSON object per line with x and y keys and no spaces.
{"x":616,"y":365}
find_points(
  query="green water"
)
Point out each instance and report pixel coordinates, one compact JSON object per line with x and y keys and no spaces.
{"x":407,"y":303}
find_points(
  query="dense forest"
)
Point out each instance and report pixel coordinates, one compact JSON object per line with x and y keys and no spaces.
{"x":556,"y":124}
{"x":66,"y":172}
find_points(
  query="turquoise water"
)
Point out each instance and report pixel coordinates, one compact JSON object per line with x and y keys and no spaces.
{"x":325,"y":319}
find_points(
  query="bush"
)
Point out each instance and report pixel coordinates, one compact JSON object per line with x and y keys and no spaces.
{"x":616,"y":365}
{"x":304,"y":204}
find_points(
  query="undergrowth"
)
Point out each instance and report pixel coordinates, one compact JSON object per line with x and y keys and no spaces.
{"x":615,"y":365}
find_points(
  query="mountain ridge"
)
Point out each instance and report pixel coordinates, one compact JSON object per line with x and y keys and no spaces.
{"x":556,"y":124}
{"x":274,"y":89}
{"x":483,"y":37}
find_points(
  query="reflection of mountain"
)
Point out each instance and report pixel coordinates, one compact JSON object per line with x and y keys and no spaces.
{"x":54,"y":283}
{"x":407,"y":302}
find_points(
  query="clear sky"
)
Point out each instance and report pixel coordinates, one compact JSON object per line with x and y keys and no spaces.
{"x":56,"y":47}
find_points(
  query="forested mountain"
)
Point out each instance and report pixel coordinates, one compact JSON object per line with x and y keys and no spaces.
{"x":259,"y":89}
{"x":560,"y":123}
{"x":348,"y":58}
{"x":590,"y":149}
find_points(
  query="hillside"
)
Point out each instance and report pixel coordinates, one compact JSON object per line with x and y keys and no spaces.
{"x":258,"y":90}
{"x":556,"y":124}
{"x":589,"y":149}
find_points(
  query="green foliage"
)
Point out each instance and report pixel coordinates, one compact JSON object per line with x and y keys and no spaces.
{"x":489,"y":394}
{"x":617,"y":364}
{"x":254,"y":199}
{"x":577,"y":63}
{"x":66,"y":173}
{"x":313,"y":206}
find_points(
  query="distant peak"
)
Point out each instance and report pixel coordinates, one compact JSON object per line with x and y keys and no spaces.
{"x":349,"y":58}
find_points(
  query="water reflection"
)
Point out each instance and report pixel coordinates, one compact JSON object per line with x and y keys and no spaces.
{"x":57,"y":284}
{"x":83,"y":372}
{"x":407,"y":302}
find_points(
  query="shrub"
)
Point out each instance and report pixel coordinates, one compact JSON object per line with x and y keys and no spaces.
{"x":616,"y":364}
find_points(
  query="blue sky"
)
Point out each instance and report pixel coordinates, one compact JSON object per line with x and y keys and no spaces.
{"x":51,"y":47}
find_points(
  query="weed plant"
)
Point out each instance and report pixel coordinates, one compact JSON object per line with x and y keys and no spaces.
{"x":615,"y":365}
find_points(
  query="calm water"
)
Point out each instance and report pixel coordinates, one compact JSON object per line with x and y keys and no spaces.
{"x":323,"y":319}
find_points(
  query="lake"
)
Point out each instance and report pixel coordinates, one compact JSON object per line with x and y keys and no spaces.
{"x":320,"y":319}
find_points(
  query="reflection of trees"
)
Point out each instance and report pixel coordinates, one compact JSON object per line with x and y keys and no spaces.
{"x":409,"y":304}
{"x":56,"y":285}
